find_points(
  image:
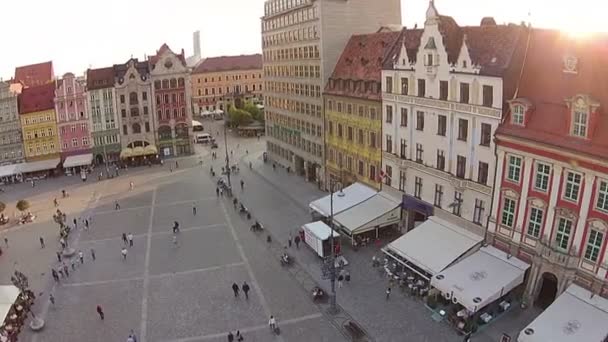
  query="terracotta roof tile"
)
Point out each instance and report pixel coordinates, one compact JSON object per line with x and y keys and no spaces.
{"x":35,"y":74}
{"x":492,"y":46}
{"x":100,"y":78}
{"x":34,"y":99}
{"x":546,"y":86}
{"x":229,"y":63}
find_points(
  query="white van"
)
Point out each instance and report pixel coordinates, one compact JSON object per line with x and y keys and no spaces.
{"x":203,"y":138}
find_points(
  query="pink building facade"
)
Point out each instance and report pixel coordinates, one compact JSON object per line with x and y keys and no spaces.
{"x":72,"y":116}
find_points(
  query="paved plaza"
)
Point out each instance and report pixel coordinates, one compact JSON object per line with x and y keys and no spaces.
{"x":182,"y":292}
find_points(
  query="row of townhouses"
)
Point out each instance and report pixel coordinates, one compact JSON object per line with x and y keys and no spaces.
{"x":495,"y":129}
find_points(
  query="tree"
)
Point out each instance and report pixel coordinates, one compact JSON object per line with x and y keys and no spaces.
{"x":255,"y":112}
{"x":23,"y":205}
{"x":2,"y":206}
{"x":238,"y":117}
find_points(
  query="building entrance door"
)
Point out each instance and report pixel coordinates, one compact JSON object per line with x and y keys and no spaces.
{"x":548,"y":290}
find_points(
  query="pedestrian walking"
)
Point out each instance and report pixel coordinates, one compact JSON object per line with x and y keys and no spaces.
{"x":41,"y":242}
{"x":297,"y":241}
{"x":130,"y":238}
{"x":55,"y":275}
{"x":133,"y":336}
{"x":272,"y":323}
{"x":124,"y":238}
{"x":66,"y":270}
{"x":60,"y":271}
{"x":116,"y":205}
{"x":239,"y":337}
{"x":75,"y":223}
{"x":6,"y":242}
{"x":131,"y":185}
{"x":246,"y":289}
{"x":52,"y":299}
{"x":230,"y":337}
{"x":81,"y":257}
{"x":73,"y":262}
{"x":100,"y":312}
{"x":176,"y":165}
{"x":289,"y":241}
{"x":235,"y":289}
{"x":170,"y":168}
{"x":63,"y":244}
{"x":175,"y":227}
{"x":221,"y":191}
{"x":86,"y":224}
{"x":242,"y":184}
{"x":174,"y":239}
{"x":388,"y":292}
{"x":193,"y":210}
{"x":130,"y":339}
{"x":340,"y":281}
{"x":93,"y":254}
{"x":217,"y":192}
{"x":124,"y":253}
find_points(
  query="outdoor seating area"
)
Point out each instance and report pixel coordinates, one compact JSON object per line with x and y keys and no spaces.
{"x":14,"y":309}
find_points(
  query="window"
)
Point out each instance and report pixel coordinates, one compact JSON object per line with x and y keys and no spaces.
{"x":440,"y":160}
{"x":508,"y":212}
{"x":535,"y":222}
{"x":420,"y":121}
{"x":418,"y":187}
{"x":372,"y":172}
{"x":389,"y":143}
{"x":514,"y":169}
{"x":478,"y":211}
{"x":402,"y":180}
{"x":488,"y":96}
{"x":602,"y":196}
{"x":361,"y":168}
{"x":74,"y":142}
{"x":464,"y":93}
{"x":389,"y":114}
{"x":122,"y":99}
{"x":562,"y":237}
{"x":482,"y":173}
{"x":404,"y":86}
{"x":463,"y":129}
{"x":136,"y":128}
{"x":429,"y":59}
{"x":331,"y":128}
{"x":421,"y":88}
{"x":541,"y":179}
{"x":349,"y":133}
{"x":85,"y":141}
{"x":123,"y":113}
{"x":146,"y":110}
{"x":340,"y":133}
{"x":594,"y":245}
{"x":372,"y":139}
{"x":486,"y":134}
{"x":441,"y":125}
{"x":579,"y":124}
{"x":147,"y":125}
{"x":518,"y":115}
{"x":443,"y":90}
{"x":124,"y":130}
{"x":461,"y":165}
{"x":457,"y":205}
{"x":389,"y":84}
{"x":360,"y":138}
{"x":402,"y":149}
{"x":403,"y":121}
{"x":388,"y":175}
{"x":573,"y":186}
{"x":438,"y":195}
{"x":419,"y":153}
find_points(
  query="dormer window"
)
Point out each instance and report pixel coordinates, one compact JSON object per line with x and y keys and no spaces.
{"x":518,"y":113}
{"x":429,"y":59}
{"x":464,"y":64}
{"x":580,"y":122}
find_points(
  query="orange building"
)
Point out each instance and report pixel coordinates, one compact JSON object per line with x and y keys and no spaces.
{"x":217,"y":79}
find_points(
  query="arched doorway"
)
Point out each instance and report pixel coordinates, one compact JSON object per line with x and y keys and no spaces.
{"x":548,"y":290}
{"x":99,"y":159}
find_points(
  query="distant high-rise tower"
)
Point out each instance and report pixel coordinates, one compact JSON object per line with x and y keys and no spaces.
{"x":196,"y":45}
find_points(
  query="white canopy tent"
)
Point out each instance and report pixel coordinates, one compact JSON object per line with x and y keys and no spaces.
{"x":347,"y":198}
{"x":78,"y":160}
{"x":218,"y":112}
{"x":575,"y":316}
{"x":481,"y":278}
{"x":206,"y":113}
{"x":39,"y":165}
{"x":320,"y":230}
{"x":316,"y":235}
{"x":8,"y":295}
{"x":378,"y":211}
{"x":433,"y":245}
{"x":9,"y":170}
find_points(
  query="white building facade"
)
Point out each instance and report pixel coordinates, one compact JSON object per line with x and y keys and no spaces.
{"x":11,"y":143}
{"x":443,"y":93}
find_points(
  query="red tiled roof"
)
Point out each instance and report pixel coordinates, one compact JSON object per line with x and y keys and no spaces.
{"x":100,"y":78}
{"x":228,"y":63}
{"x":38,"y":98}
{"x":362,"y":60}
{"x":411,"y":39}
{"x":546,"y":87}
{"x":35,"y":74}
{"x":164,"y":48}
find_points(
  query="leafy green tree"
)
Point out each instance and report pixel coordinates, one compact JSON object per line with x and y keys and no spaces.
{"x":255,"y":112}
{"x":23,"y":205}
{"x":238,"y":117}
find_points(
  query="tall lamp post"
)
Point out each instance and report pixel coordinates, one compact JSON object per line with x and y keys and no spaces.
{"x":227,"y":157}
{"x":333,"y":187}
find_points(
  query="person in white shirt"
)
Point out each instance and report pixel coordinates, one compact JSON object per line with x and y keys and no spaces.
{"x":272,"y":323}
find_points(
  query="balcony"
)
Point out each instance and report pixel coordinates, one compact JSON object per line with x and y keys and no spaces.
{"x":431,"y":70}
{"x":549,"y":252}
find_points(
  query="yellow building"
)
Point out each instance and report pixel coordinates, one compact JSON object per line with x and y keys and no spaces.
{"x":39,"y":123}
{"x":353,"y":111}
{"x":216,"y":80}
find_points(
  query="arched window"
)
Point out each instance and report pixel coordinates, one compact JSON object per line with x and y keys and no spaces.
{"x":164,"y":133}
{"x":173,"y":83}
{"x":180,"y":82}
{"x":181,"y":131}
{"x":157,"y":85}
{"x":133,"y":98}
{"x":136,"y":128}
{"x":165,"y":84}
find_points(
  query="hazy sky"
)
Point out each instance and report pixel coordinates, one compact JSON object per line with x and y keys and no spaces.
{"x":76,"y":34}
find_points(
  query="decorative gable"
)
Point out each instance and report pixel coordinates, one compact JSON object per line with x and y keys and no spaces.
{"x":403,"y":61}
{"x":464,"y":63}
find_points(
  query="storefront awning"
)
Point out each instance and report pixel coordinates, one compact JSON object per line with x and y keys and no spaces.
{"x":150,"y":149}
{"x":79,"y":160}
{"x":379,"y":210}
{"x":41,"y":165}
{"x":435,"y":245}
{"x":8,"y":295}
{"x":9,"y":170}
{"x":349,"y":197}
{"x":320,"y":230}
{"x":481,"y":278}
{"x":126,"y":153}
{"x":575,"y":316}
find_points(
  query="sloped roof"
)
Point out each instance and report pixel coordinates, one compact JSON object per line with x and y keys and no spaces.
{"x":411,"y":39}
{"x":164,"y":48}
{"x":100,"y":78}
{"x":228,"y":63}
{"x":35,"y":74}
{"x":35,"y":99}
{"x":546,"y":86}
{"x":143,"y":68}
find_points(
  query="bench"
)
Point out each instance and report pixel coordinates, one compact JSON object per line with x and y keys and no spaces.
{"x":355,"y":331}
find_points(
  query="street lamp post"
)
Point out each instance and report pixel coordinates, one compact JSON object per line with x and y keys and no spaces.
{"x":227,"y":157}
{"x":333,"y":185}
